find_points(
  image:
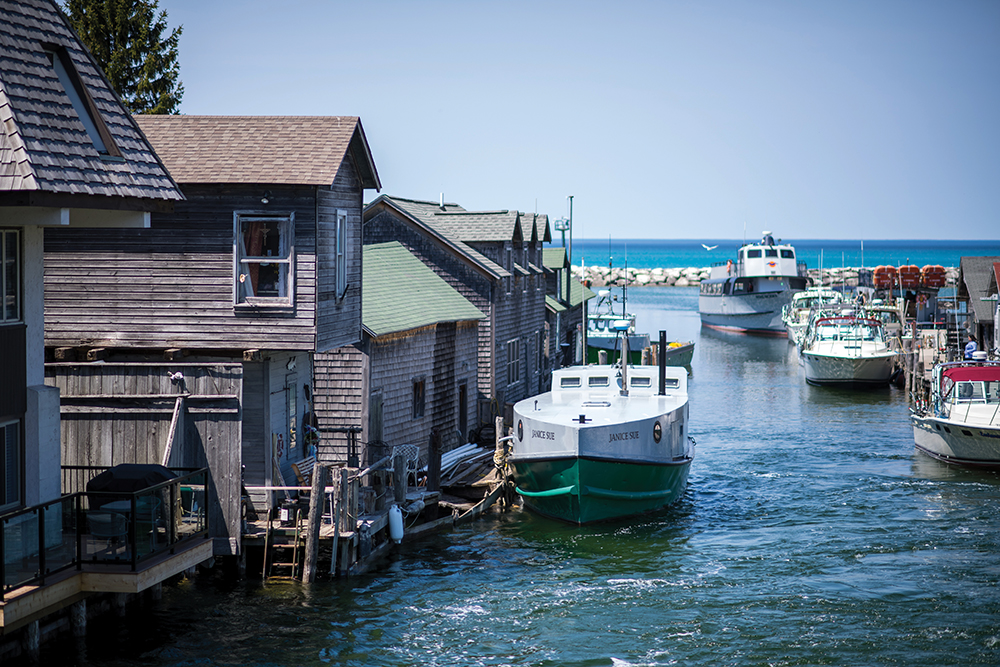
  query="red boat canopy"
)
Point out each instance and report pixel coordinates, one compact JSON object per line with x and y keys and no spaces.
{"x":973,"y":373}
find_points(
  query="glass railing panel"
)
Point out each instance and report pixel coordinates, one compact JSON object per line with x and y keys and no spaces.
{"x":20,"y":548}
{"x":105,"y":533}
{"x":60,"y":534}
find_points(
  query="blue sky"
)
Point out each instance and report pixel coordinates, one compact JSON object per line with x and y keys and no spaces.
{"x":834,"y":120}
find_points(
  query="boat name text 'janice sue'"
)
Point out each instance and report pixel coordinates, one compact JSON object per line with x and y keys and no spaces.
{"x":627,"y":435}
{"x":543,"y":435}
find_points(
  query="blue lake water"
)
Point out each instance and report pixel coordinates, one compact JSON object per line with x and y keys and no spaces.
{"x":650,"y":254}
{"x":811,"y":534}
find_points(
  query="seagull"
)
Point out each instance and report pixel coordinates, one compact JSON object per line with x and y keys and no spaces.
{"x":709,"y":247}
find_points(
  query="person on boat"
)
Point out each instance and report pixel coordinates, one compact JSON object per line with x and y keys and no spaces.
{"x":768,"y":239}
{"x":971,"y":347}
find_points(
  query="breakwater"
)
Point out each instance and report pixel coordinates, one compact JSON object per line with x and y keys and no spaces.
{"x":602,"y":276}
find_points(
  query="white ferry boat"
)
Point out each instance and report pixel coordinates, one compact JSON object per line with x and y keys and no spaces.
{"x":748,"y":296}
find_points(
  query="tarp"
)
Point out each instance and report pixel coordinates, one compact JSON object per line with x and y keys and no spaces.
{"x":128,"y":477}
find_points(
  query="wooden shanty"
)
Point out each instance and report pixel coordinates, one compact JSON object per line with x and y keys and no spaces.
{"x":566,"y":301}
{"x":494,"y":259}
{"x":207,"y":321}
{"x":974,"y":277}
{"x":417,"y":360}
{"x":71,"y":158}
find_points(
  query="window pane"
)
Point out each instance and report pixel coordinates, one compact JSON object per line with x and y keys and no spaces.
{"x":260,"y":239}
{"x":11,"y":278}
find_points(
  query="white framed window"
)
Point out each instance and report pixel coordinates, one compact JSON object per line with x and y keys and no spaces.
{"x":10,"y":280}
{"x":513,"y":361}
{"x":263,"y":264}
{"x":341,"y":252}
{"x":10,"y":464}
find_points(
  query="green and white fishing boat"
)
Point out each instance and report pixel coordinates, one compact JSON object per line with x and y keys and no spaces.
{"x":606,"y":442}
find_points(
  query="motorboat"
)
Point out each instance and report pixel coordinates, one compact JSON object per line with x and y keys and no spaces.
{"x":847,"y":349}
{"x":795,"y":315}
{"x":603,"y":336}
{"x":748,"y":296}
{"x":606,"y":442}
{"x":961,"y":422}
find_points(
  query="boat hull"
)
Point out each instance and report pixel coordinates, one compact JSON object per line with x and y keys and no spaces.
{"x":584,"y":490}
{"x":757,"y":313}
{"x":956,"y":442}
{"x":824,"y":369}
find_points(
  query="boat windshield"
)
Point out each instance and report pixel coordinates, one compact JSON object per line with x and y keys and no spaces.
{"x":854,"y":331}
{"x":972,"y":391}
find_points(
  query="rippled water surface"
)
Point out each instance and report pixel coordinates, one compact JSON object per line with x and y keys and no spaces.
{"x":811,"y":534}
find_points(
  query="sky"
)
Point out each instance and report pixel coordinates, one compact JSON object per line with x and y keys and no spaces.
{"x":663,"y":120}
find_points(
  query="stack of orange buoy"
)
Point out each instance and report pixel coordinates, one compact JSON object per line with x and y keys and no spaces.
{"x":884,"y":277}
{"x":909,"y":276}
{"x":933,"y":275}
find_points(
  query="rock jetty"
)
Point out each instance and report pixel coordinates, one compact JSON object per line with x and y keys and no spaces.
{"x":601,"y":276}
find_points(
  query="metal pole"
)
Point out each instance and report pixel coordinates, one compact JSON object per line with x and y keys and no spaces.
{"x":569,"y":250}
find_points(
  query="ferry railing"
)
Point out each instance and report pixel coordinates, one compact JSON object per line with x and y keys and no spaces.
{"x":101,"y":528}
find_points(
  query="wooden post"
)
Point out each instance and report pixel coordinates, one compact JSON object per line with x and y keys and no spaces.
{"x":316,"y":497}
{"x":336,"y":527}
{"x":602,"y":357}
{"x":434,"y":461}
{"x":78,"y":618}
{"x":500,"y":459}
{"x":399,"y":477}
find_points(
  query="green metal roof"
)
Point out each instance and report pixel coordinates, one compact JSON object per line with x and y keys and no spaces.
{"x":578,"y":293}
{"x":553,"y":304}
{"x":554,"y":258}
{"x":400,"y":293}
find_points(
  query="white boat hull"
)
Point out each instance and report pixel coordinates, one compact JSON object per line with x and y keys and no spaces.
{"x":957,"y":442}
{"x":830,"y":369}
{"x":750,"y":313}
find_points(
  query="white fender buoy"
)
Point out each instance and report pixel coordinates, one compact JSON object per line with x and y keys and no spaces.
{"x":396,"y":524}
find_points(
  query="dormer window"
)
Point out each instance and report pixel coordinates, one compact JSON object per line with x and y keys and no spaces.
{"x":81,"y":100}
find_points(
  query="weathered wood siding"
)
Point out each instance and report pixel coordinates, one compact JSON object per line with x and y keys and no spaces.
{"x":479,"y":289}
{"x":339,"y":319}
{"x":339,"y":401}
{"x":172,"y":285}
{"x":121,"y":413}
{"x":443,"y":356}
{"x":517,"y":315}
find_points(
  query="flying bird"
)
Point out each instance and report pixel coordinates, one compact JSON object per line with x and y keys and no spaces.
{"x":709,"y":247}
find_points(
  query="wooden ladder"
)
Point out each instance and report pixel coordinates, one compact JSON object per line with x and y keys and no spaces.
{"x":277,"y":546}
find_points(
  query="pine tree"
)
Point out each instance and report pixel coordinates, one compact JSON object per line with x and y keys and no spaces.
{"x":126,"y":37}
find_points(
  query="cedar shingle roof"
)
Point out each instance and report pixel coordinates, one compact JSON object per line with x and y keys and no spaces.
{"x":45,"y":148}
{"x":296,"y":150}
{"x":974,"y":275}
{"x":463,"y":225}
{"x":421,"y":213}
{"x":401,"y":293}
